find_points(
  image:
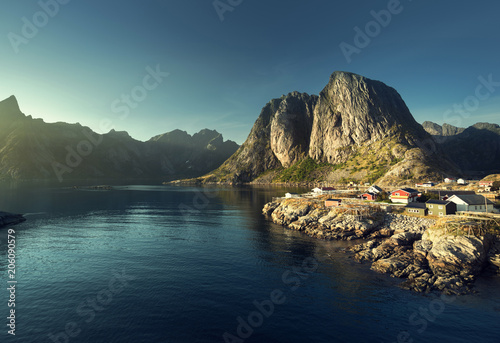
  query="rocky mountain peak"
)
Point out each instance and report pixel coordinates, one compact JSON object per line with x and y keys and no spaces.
{"x":354,"y":110}
{"x":352,"y":115}
{"x":432,"y":128}
{"x":475,"y":150}
{"x":445,"y":130}
{"x":205,"y":136}
{"x":177,"y":137}
{"x":486,"y":126}
{"x":10,"y":107}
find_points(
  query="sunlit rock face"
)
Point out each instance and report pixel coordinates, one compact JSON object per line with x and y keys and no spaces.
{"x":350,"y":112}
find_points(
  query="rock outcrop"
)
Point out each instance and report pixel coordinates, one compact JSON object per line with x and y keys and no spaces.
{"x":434,"y":261}
{"x":408,"y":247}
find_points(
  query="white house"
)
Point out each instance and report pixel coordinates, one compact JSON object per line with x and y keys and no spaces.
{"x":291,"y":195}
{"x":472,"y":203}
{"x":461,"y":182}
{"x":449,"y":180}
{"x":374,"y":190}
{"x":324,"y":190}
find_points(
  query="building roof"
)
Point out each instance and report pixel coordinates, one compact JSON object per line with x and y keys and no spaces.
{"x":437,"y":202}
{"x":473,"y":199}
{"x":407,"y":190}
{"x":445,"y":192}
{"x":416,"y":205}
{"x":325,"y":188}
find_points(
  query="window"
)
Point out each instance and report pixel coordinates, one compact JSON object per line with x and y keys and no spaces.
{"x":440,"y":214}
{"x":440,"y":207}
{"x":430,"y":212}
{"x":431,"y":206}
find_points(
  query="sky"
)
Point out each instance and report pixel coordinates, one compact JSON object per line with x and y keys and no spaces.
{"x":153,"y":66}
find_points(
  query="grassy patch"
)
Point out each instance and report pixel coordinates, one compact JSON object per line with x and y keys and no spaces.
{"x":301,"y":171}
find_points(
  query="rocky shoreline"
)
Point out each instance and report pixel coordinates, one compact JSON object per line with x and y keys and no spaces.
{"x":10,"y":219}
{"x":417,"y":249}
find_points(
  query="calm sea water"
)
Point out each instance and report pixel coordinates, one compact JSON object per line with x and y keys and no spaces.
{"x":177,"y":264}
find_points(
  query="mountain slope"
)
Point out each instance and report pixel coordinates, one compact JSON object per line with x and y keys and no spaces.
{"x":476,"y":149}
{"x":33,"y":149}
{"x":356,"y":129}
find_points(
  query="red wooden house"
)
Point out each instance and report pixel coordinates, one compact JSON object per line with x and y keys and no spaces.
{"x":486,"y":183}
{"x":333,"y":202}
{"x":404,"y":195}
{"x":369,"y":196}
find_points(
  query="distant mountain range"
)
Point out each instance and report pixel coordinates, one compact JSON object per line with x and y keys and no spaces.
{"x":33,"y":149}
{"x":356,"y":129}
{"x":475,"y":150}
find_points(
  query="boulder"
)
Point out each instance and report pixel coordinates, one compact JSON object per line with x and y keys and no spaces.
{"x":457,"y":255}
{"x":270,"y":207}
{"x":392,"y":265}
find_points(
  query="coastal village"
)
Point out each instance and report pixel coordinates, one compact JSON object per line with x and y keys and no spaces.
{"x":451,"y":197}
{"x":437,"y":236}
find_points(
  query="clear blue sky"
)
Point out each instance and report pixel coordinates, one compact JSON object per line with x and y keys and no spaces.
{"x":221,"y":73}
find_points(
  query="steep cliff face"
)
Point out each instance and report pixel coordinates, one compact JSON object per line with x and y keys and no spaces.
{"x":291,"y":128}
{"x":476,"y":149}
{"x":352,"y":111}
{"x":355,"y":129}
{"x":33,"y":149}
{"x":255,"y":155}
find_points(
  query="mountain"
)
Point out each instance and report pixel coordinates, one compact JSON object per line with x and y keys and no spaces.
{"x":357,"y":129}
{"x":202,"y":152}
{"x":441,"y":132}
{"x":33,"y":149}
{"x":475,"y":150}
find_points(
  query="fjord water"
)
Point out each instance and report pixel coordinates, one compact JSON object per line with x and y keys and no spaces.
{"x":181,"y":264}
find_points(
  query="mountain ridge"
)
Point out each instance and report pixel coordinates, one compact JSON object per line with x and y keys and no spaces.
{"x":475,"y":149}
{"x":33,"y":149}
